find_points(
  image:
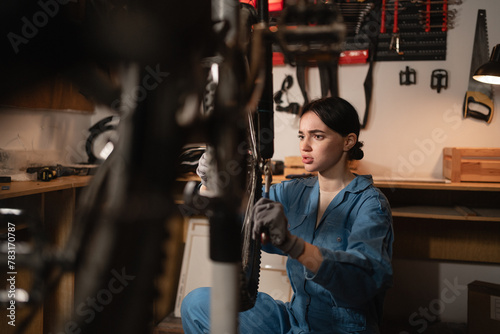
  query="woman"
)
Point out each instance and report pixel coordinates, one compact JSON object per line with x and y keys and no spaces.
{"x":336,"y":229}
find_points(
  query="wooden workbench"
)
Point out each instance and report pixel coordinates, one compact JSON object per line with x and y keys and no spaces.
{"x":24,"y":188}
{"x":445,"y":221}
{"x":53,"y":203}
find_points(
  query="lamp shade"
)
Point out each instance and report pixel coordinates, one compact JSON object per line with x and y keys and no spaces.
{"x":490,"y":72}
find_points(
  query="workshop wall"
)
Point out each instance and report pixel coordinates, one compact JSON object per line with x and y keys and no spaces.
{"x":408,"y":126}
{"x":40,"y":137}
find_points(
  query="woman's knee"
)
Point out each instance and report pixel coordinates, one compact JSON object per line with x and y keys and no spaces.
{"x":267,"y":316}
{"x":196,"y":305}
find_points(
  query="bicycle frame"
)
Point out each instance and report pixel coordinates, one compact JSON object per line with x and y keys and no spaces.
{"x":130,"y":197}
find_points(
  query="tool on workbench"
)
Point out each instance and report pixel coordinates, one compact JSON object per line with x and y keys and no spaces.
{"x":5,"y":179}
{"x":478,"y":102}
{"x":47,"y":173}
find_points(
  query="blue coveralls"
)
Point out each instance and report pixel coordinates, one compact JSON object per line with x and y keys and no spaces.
{"x":346,"y":295}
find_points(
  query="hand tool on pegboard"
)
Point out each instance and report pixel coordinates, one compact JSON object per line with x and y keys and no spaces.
{"x":478,"y":102}
{"x":354,"y":14}
{"x":442,"y":18}
{"x":445,"y":16}
{"x":394,"y":46}
{"x":383,"y":16}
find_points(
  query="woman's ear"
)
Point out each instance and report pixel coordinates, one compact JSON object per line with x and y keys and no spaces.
{"x":349,"y":141}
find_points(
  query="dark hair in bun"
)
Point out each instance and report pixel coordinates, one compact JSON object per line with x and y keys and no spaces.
{"x":340,"y":116}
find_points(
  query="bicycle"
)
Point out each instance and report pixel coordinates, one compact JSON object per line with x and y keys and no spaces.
{"x":126,"y":195}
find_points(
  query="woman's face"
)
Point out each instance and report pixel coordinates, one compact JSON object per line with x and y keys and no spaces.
{"x":321,"y":148}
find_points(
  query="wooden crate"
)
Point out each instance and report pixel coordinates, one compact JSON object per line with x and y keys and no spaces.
{"x":471,"y":164}
{"x":294,"y":165}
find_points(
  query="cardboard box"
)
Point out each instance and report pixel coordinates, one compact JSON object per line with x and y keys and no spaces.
{"x":471,"y":164}
{"x":483,"y":308}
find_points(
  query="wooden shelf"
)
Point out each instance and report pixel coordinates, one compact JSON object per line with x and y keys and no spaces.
{"x":23,"y":188}
{"x":445,"y":221}
{"x":439,"y":185}
{"x":449,"y":213}
{"x":428,"y":185}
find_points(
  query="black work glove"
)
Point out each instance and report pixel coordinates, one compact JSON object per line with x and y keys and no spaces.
{"x":269,"y":217}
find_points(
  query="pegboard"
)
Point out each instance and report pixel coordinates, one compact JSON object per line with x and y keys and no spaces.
{"x":399,"y":30}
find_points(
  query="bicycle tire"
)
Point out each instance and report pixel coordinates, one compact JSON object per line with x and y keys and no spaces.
{"x":251,"y":256}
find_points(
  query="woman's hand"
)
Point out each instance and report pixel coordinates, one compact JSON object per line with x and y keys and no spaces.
{"x":202,"y":169}
{"x":269,"y":218}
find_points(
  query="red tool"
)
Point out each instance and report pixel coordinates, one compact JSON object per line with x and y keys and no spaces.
{"x":428,"y":16}
{"x":395,"y":25}
{"x":382,"y":18}
{"x":445,"y":16}
{"x":395,"y":30}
